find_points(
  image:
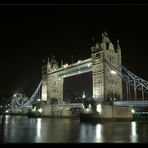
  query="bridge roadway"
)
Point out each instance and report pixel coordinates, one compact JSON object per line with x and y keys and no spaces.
{"x":130,"y":103}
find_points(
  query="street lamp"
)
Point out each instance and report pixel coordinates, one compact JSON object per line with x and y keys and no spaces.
{"x":113,"y":72}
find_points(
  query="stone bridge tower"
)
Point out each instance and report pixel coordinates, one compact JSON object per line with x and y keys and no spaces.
{"x":107,"y":85}
{"x":52,"y":86}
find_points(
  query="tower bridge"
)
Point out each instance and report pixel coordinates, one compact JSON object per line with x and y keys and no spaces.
{"x":111,"y":81}
{"x":103,"y":81}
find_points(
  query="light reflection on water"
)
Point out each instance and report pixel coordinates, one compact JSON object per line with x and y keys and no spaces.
{"x":99,"y":136}
{"x":18,"y":129}
{"x":38,"y":127}
{"x":134,"y":136}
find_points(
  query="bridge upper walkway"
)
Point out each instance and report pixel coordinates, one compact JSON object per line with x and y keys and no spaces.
{"x":130,"y":103}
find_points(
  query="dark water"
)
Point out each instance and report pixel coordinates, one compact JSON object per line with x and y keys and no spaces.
{"x":21,"y":129}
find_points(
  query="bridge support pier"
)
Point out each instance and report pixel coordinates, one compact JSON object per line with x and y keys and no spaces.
{"x":108,"y":113}
{"x":116,"y":112}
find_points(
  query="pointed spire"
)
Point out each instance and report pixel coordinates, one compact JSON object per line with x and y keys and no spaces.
{"x":105,"y":33}
{"x":97,"y":46}
{"x":118,"y":48}
{"x":92,"y":49}
{"x":49,"y":64}
{"x":53,"y":59}
{"x":61,"y":63}
{"x":93,"y":38}
{"x":118,"y":45}
{"x":92,"y":41}
{"x":48,"y":60}
{"x":105,"y":37}
{"x":43,"y":60}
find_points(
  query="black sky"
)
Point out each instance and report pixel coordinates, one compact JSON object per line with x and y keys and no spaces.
{"x":31,"y":33}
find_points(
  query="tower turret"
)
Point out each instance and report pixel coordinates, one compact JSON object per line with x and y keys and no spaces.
{"x":61,"y":63}
{"x":119,"y":53}
{"x":97,"y":47}
{"x":118,"y":48}
{"x":106,"y":85}
{"x":54,"y":62}
{"x":49,"y":66}
{"x":105,"y":38}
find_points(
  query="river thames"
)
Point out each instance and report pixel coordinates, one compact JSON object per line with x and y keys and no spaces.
{"x":21,"y":129}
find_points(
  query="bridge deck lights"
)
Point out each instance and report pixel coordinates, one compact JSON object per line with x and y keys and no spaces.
{"x":79,"y":61}
{"x":89,"y":65}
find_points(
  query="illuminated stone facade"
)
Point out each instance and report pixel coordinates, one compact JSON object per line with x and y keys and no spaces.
{"x":107,"y":85}
{"x":52,"y":87}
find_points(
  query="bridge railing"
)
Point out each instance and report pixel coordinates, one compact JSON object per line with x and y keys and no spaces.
{"x":56,"y":107}
{"x":71,"y":104}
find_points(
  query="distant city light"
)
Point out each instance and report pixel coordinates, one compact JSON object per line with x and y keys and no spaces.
{"x":113,"y":72}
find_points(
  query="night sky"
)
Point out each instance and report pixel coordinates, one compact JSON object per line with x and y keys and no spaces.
{"x":31,"y":33}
